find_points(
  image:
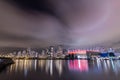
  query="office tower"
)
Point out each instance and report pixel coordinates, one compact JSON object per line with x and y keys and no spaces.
{"x":60,"y":49}
{"x":52,"y":51}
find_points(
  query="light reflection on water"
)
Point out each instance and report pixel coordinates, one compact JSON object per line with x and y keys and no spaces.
{"x":46,"y":65}
{"x":62,"y":70}
{"x":109,"y":65}
{"x":78,"y":65}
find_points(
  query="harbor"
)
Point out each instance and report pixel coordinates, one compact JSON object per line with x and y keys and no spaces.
{"x":58,"y":63}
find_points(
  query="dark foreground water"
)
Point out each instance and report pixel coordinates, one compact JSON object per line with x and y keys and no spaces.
{"x":62,"y":70}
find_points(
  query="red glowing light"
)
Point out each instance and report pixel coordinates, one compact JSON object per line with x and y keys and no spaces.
{"x":80,"y":65}
{"x":77,"y":52}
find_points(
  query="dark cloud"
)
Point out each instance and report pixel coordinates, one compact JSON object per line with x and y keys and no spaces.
{"x":40,"y":6}
{"x":33,"y":5}
{"x":50,"y":22}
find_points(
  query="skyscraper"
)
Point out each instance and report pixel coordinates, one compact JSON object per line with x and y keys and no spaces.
{"x":60,"y":49}
{"x":51,"y":51}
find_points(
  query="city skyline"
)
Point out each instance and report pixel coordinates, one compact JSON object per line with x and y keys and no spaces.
{"x":59,"y":39}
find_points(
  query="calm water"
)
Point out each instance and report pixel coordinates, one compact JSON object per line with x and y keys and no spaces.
{"x":62,"y":70}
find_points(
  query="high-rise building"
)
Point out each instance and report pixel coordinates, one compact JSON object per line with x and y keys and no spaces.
{"x":43,"y":52}
{"x":60,"y":49}
{"x":51,"y":51}
{"x":28,"y":50}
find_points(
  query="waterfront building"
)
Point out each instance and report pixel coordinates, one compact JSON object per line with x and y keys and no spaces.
{"x":51,"y":51}
{"x":19,"y":54}
{"x":77,"y":53}
{"x":43,"y":52}
{"x":111,"y":52}
{"x":47,"y":51}
{"x":59,"y":50}
{"x":24,"y":53}
{"x":82,"y":53}
{"x":36,"y":54}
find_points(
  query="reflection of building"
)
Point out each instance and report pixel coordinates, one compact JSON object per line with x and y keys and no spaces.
{"x":57,"y":64}
{"x":50,"y":66}
{"x":41,"y":64}
{"x":78,"y":65}
{"x":22,"y":66}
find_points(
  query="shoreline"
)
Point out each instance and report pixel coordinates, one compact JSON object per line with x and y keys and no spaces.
{"x":4,"y":62}
{"x":9,"y":60}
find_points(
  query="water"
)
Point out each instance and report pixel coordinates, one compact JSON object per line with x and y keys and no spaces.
{"x":62,"y":70}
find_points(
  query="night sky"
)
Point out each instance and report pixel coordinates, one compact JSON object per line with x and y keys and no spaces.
{"x":76,"y":23}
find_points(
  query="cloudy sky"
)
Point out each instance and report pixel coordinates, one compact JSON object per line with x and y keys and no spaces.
{"x":77,"y":23}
